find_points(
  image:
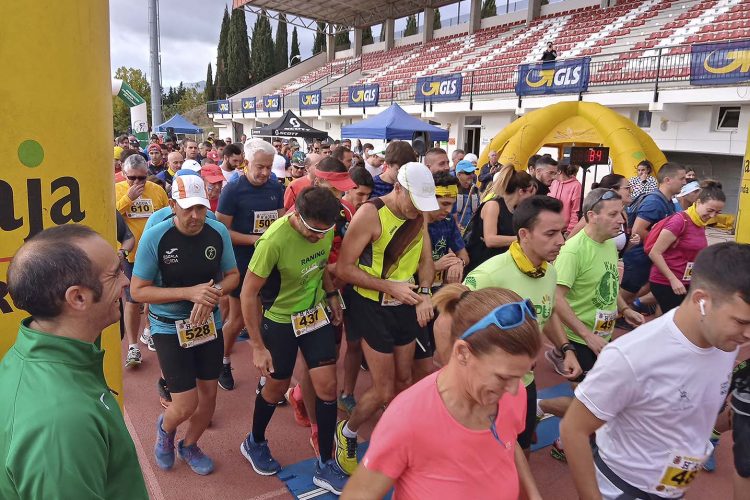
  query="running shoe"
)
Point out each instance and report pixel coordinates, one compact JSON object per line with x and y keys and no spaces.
{"x":346,"y":450}
{"x":226,"y":380}
{"x":314,"y":443}
{"x":133,"y":358}
{"x":557,"y":451}
{"x":645,"y":309}
{"x":165,"y":398}
{"x":300,"y":412}
{"x":347,"y":403}
{"x":164,"y":448}
{"x":556,"y":360}
{"x":195,"y":458}
{"x":243,"y":335}
{"x":259,"y":456}
{"x":330,"y":477}
{"x":147,"y":339}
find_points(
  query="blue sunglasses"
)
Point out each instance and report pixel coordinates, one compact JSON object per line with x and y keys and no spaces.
{"x":505,"y":317}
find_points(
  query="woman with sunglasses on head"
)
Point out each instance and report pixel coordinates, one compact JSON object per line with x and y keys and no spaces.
{"x":453,"y":434}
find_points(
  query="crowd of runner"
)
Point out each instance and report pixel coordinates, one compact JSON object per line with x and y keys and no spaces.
{"x":444,"y":278}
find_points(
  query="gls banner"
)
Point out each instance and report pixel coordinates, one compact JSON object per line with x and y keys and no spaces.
{"x":364,"y":96}
{"x":272,"y":103}
{"x":439,"y":88}
{"x":720,"y":63}
{"x":248,"y":104}
{"x":310,"y":99}
{"x":224,"y":107}
{"x":562,"y":77}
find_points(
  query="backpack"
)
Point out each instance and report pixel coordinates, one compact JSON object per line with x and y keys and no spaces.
{"x":635,"y":205}
{"x":653,"y":235}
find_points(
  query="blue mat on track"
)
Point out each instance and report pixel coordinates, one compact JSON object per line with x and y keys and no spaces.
{"x":298,"y":478}
{"x":549,"y":429}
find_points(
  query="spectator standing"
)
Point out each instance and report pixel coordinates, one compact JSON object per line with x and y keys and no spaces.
{"x":568,"y":189}
{"x":644,"y":182}
{"x":550,"y":54}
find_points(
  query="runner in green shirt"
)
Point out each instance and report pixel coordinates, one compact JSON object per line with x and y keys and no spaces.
{"x":288,"y":275}
{"x":526,"y":269}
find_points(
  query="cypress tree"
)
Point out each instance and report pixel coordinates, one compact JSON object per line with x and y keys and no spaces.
{"x":210,"y":95}
{"x":342,"y":40}
{"x":220,"y":89}
{"x":294,"y":55}
{"x":411,"y":26}
{"x":436,"y":23}
{"x":281,"y":47}
{"x":262,"y":53}
{"x":238,"y":58}
{"x":488,"y":9}
{"x":367,"y":36}
{"x":319,"y":45}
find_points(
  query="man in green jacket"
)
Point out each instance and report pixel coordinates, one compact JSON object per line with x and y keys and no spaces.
{"x":62,"y":434}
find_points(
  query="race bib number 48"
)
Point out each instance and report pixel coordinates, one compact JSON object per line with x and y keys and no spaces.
{"x":679,"y":472}
{"x":191,"y":335}
{"x":262,"y":220}
{"x":141,"y":208}
{"x":604,"y":323}
{"x":310,"y":320}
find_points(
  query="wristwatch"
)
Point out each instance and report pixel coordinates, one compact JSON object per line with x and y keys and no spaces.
{"x":424,"y":290}
{"x":218,"y":287}
{"x":568,"y":346}
{"x":124,"y":253}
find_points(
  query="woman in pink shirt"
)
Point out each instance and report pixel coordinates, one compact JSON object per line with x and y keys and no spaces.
{"x":678,"y":243}
{"x":567,"y":189}
{"x":453,"y":434}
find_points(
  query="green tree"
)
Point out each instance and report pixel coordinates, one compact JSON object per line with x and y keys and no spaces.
{"x":294,"y":55}
{"x":210,"y":96}
{"x":436,"y":22}
{"x":367,"y":36}
{"x":222,"y":53}
{"x":342,"y":40}
{"x":319,"y":45}
{"x":120,"y":111}
{"x":411,"y":26}
{"x":261,"y":52}
{"x":488,"y":9}
{"x":281,"y":46}
{"x":238,"y":56}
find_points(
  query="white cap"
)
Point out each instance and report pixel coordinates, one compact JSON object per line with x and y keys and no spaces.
{"x":471,"y":157}
{"x":688,"y":188}
{"x":192,"y":165}
{"x":279,"y":166}
{"x":189,"y":190}
{"x":417,"y":179}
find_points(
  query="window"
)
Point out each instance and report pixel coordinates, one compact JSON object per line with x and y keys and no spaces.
{"x":644,"y":118}
{"x":473,"y":121}
{"x":728,"y":118}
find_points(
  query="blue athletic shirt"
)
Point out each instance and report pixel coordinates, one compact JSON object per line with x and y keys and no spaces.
{"x":444,"y":235}
{"x":170,"y":259}
{"x":654,"y":208}
{"x":166,"y":213}
{"x":380,"y":187}
{"x":240,"y":200}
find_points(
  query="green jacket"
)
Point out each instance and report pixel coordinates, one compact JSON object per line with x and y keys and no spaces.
{"x":62,"y":434}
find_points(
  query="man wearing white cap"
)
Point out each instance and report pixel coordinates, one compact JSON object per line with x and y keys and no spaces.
{"x":386,"y":245}
{"x":687,"y":196}
{"x":184,"y":266}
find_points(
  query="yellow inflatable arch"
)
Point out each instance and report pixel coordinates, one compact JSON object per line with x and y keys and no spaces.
{"x":575,"y":123}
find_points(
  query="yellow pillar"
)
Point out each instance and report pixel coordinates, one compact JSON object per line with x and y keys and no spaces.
{"x":56,"y":144}
{"x":743,"y":206}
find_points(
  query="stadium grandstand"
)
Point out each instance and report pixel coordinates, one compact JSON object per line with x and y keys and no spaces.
{"x":637,"y":56}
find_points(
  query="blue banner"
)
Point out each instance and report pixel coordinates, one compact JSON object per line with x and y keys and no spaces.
{"x":272,"y":103}
{"x":248,"y":104}
{"x":439,"y":88}
{"x":553,"y":77}
{"x":720,"y":63}
{"x":364,"y":96}
{"x":310,"y":99}
{"x":223,"y":107}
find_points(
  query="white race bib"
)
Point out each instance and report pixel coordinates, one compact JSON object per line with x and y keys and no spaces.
{"x":390,"y":301}
{"x":310,"y":320}
{"x":604,"y":323}
{"x":191,"y":335}
{"x":262,"y":220}
{"x":141,"y":208}
{"x":679,"y":472}
{"x":688,"y":272}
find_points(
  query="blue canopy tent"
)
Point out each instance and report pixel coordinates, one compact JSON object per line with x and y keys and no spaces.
{"x":180,"y":125}
{"x":393,"y":123}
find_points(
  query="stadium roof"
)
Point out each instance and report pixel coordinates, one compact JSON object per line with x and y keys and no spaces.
{"x":348,"y":13}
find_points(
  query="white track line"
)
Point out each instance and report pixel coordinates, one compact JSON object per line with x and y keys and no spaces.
{"x":148,"y":470}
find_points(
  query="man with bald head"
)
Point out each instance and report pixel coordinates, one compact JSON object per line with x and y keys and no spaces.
{"x":174,"y":165}
{"x":299,"y":185}
{"x":61,"y":430}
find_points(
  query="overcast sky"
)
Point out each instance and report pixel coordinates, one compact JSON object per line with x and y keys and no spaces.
{"x":189,"y":35}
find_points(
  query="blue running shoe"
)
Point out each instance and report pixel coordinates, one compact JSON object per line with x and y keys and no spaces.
{"x":347,"y":403}
{"x":195,"y":458}
{"x":330,"y":477}
{"x":259,"y":456}
{"x":164,"y":448}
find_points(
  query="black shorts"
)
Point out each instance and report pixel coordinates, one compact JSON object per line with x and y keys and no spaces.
{"x":383,"y":327}
{"x":425,"y":347}
{"x":665,"y":296}
{"x":636,"y":269}
{"x":524,"y":439}
{"x":741,"y":447}
{"x":352,"y":333}
{"x":586,"y":358}
{"x":182,"y":366}
{"x":318,"y":347}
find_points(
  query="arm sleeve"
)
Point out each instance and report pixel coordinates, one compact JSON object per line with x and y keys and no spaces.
{"x":265,"y":257}
{"x":610,"y":386}
{"x":123,"y":201}
{"x":566,"y":267}
{"x":390,"y":443}
{"x":146,"y":264}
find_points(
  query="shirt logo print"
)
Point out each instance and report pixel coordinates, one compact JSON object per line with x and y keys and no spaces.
{"x":210,"y":253}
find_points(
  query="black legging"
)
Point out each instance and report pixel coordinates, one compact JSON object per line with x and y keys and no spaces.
{"x":666,"y":297}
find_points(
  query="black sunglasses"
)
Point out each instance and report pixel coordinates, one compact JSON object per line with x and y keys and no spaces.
{"x":136,"y":177}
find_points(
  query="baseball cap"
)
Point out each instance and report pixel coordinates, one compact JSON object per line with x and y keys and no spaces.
{"x":417,"y":179}
{"x":471,"y":157}
{"x":688,"y":188}
{"x":213,"y":155}
{"x":153,"y":145}
{"x":192,"y":165}
{"x":184,"y":172}
{"x":298,"y":158}
{"x":466,"y":167}
{"x":189,"y":190}
{"x":212,"y":173}
{"x":118,"y":152}
{"x":339,"y":180}
{"x":278,"y":167}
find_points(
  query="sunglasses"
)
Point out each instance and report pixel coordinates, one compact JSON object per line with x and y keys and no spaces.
{"x":607,"y":195}
{"x":136,"y":177}
{"x":314,"y":230}
{"x":505,"y":317}
{"x":299,"y":167}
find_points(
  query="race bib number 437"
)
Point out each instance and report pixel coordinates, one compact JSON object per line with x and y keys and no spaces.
{"x":310,"y":320}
